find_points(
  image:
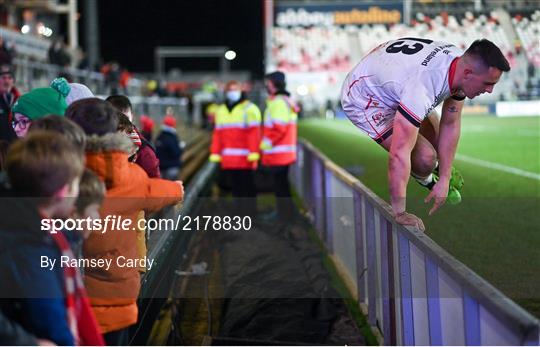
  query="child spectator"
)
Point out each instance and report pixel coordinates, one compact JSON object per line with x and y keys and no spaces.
{"x":129,"y":190}
{"x":38,"y":103}
{"x":77,"y":137}
{"x":168,"y":149}
{"x":71,"y":130}
{"x":146,"y":156}
{"x":122,"y":104}
{"x":91,"y":195}
{"x":49,"y":302}
{"x":127,"y":128}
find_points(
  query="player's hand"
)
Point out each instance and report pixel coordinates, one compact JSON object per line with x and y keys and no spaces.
{"x":438,"y":194}
{"x":410,"y":219}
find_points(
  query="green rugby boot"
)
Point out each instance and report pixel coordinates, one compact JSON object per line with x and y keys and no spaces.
{"x":455,"y":185}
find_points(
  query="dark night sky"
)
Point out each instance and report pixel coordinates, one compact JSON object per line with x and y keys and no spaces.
{"x":130,"y":29}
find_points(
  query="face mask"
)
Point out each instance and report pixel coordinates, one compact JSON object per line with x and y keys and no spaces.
{"x":233,"y":95}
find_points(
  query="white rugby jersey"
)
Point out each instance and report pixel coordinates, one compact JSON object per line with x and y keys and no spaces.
{"x":411,"y":75}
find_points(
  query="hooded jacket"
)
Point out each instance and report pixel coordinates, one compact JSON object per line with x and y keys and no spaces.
{"x":113,"y":292}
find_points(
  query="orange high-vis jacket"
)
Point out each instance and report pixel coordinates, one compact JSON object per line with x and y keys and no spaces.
{"x":279,"y":132}
{"x":236,"y":136}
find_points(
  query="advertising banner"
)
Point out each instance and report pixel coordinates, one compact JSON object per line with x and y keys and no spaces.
{"x":338,"y":14}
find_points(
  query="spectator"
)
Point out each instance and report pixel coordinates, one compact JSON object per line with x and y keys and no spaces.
{"x":129,"y":190}
{"x":71,"y":130}
{"x":38,"y":103}
{"x":128,"y":129}
{"x":8,"y":96}
{"x":147,"y":127}
{"x":46,"y":166}
{"x":77,"y":138}
{"x":88,"y":203}
{"x":6,"y":53}
{"x":122,"y":104}
{"x":123,"y":82}
{"x":168,"y":149}
{"x":111,"y":71}
{"x":146,"y":157}
{"x":58,"y":55}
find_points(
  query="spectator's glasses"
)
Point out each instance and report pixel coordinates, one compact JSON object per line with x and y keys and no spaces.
{"x":22,"y":123}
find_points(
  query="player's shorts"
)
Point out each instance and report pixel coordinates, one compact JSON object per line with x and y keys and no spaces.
{"x":366,"y":111}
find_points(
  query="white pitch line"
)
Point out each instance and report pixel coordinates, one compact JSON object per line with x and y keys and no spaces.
{"x":496,"y":166}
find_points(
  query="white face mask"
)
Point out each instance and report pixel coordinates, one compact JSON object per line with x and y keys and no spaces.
{"x":233,"y":95}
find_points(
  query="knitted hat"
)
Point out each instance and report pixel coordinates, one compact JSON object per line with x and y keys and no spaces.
{"x":78,"y":91}
{"x":40,"y":102}
{"x":169,"y":121}
{"x":147,"y":123}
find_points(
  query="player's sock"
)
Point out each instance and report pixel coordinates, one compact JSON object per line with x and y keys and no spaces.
{"x":427,"y":182}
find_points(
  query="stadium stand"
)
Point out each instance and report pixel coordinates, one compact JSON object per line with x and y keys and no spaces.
{"x":311,"y":49}
{"x":528,"y":30}
{"x":337,"y":49}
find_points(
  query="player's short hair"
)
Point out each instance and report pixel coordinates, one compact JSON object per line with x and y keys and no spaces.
{"x":488,"y":53}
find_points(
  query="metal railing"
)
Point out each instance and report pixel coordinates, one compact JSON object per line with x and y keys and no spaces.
{"x":411,"y":289}
{"x":169,"y":248}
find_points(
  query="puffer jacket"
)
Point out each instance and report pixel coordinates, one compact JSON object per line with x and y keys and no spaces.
{"x":113,"y":292}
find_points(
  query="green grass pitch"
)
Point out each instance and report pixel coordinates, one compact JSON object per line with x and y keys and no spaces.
{"x":496,"y":229}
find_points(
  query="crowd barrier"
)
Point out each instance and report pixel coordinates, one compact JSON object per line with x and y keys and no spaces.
{"x":168,"y":248}
{"x":412,"y":291}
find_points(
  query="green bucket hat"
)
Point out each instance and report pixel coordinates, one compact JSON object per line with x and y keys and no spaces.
{"x":40,"y":102}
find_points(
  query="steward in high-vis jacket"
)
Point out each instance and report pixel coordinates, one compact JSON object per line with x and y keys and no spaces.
{"x":235,"y":144}
{"x":278,"y":144}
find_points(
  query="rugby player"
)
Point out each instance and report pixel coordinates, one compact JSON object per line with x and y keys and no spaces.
{"x":391,"y":95}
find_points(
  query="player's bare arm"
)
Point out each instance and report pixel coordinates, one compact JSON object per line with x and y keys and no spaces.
{"x":399,"y":169}
{"x":449,"y":132}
